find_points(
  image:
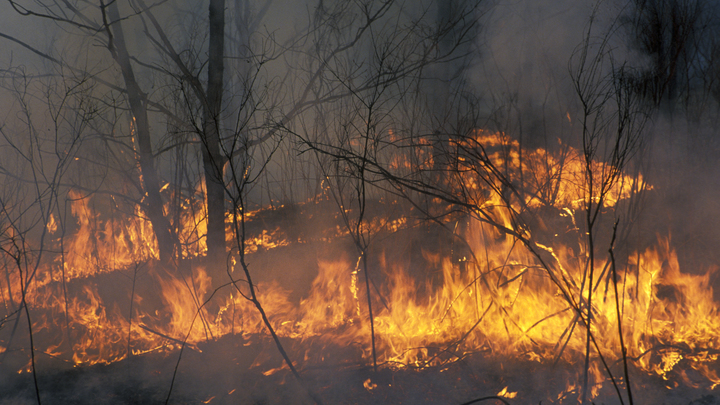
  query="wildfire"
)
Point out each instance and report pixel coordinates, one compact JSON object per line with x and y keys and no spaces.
{"x":499,"y":299}
{"x":555,"y":179}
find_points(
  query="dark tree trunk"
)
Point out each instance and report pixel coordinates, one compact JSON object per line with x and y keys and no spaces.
{"x":213,"y":159}
{"x":153,"y":206}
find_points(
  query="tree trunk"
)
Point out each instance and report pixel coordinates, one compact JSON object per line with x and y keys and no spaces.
{"x":138,"y":107}
{"x":213,"y":160}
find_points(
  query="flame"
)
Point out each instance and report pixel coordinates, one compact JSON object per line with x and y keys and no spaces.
{"x":496,"y":298}
{"x":553,"y":179}
{"x":369,"y":385}
{"x":266,"y":240}
{"x":505,"y":393}
{"x":51,"y":224}
{"x":102,"y":245}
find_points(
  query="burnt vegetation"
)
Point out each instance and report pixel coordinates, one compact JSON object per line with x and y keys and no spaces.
{"x":366,"y":203}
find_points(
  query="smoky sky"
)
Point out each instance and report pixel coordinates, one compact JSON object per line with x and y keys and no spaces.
{"x":520,"y":66}
{"x":520,"y":63}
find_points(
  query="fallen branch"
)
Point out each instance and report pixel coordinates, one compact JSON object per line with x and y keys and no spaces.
{"x":498,"y":398}
{"x":178,"y":341}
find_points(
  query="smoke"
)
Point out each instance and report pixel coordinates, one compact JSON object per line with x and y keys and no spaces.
{"x":523,"y":65}
{"x":522,"y":71}
{"x":681,"y":162}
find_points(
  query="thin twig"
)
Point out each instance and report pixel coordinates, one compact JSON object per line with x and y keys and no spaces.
{"x":619,"y":316}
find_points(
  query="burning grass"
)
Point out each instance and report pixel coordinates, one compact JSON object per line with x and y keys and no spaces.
{"x":222,"y":372}
{"x":461,"y":310}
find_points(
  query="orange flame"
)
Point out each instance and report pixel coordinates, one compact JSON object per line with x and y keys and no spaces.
{"x":498,"y":299}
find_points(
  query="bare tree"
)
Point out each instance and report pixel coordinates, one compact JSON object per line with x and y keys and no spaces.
{"x":470,"y":178}
{"x":676,"y":40}
{"x":112,"y":24}
{"x":41,"y":144}
{"x":613,"y":118}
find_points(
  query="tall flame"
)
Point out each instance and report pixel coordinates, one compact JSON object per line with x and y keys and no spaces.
{"x":499,"y":298}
